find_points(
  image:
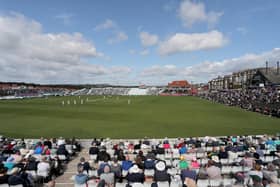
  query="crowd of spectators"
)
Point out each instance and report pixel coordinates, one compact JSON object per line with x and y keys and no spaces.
{"x":209,"y":161}
{"x":34,"y":162}
{"x":263,"y":100}
{"x":33,"y":92}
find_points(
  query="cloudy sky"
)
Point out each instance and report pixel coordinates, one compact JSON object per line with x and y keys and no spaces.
{"x":135,"y":42}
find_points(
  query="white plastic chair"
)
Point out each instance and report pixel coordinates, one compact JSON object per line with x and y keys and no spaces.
{"x":163,"y":184}
{"x":137,"y":184}
{"x":215,"y":182}
{"x":228,"y":182}
{"x":226,"y":169}
{"x":202,"y":182}
{"x":149,"y":172}
{"x":93,"y":157}
{"x":120,"y":184}
{"x":61,"y":157}
{"x":4,"y":185}
{"x":224,"y":161}
{"x":80,"y":185}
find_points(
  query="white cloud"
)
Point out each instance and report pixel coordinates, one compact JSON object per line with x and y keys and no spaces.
{"x":207,"y":70}
{"x":183,"y":42}
{"x":117,"y":34}
{"x":118,"y":37}
{"x":66,"y":18}
{"x":148,"y":39}
{"x":191,"y":12}
{"x":213,"y":69}
{"x":107,"y":24}
{"x":144,"y":52}
{"x":157,"y":71}
{"x":29,"y":54}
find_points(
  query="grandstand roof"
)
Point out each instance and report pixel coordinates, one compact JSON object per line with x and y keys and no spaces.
{"x":180,"y":83}
{"x":271,"y":75}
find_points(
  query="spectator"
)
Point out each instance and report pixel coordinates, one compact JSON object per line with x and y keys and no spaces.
{"x":108,"y":177}
{"x":186,"y":172}
{"x":161,"y":174}
{"x":15,"y":178}
{"x":194,"y":163}
{"x":81,"y":178}
{"x":3,"y":175}
{"x":117,"y":170}
{"x":135,"y":175}
{"x":103,"y":155}
{"x":85,"y":165}
{"x":213,"y":171}
{"x":93,"y":150}
{"x":43,"y":169}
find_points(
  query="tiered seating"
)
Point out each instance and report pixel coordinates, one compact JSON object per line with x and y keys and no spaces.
{"x":40,"y":160}
{"x":230,"y":154}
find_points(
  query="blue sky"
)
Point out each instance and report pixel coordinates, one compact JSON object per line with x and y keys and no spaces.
{"x":132,"y":42}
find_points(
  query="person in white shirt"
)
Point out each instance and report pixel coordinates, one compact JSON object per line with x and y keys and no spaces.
{"x":43,"y":168}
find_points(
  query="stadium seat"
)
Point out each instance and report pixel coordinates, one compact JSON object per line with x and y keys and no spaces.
{"x":202,"y":182}
{"x":163,"y":184}
{"x":80,"y":185}
{"x":149,"y":172}
{"x":4,"y":185}
{"x":226,"y":169}
{"x":236,"y":169}
{"x":147,"y":184}
{"x":120,"y":184}
{"x":224,"y":161}
{"x":93,"y":157}
{"x":204,"y":161}
{"x":228,"y":182}
{"x":32,"y":172}
{"x":137,"y":184}
{"x":215,"y":182}
{"x":175,"y":184}
{"x":61,"y":157}
{"x":269,"y":159}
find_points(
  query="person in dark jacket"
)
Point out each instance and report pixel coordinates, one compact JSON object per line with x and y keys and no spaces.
{"x":93,"y":150}
{"x":62,"y":150}
{"x":85,"y":165}
{"x":135,"y":175}
{"x":31,"y":164}
{"x":16,"y":178}
{"x":3,"y":176}
{"x":149,"y":164}
{"x":48,"y":143}
{"x":103,"y":155}
{"x":161,"y":174}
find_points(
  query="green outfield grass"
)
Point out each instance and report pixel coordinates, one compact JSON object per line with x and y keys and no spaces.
{"x":151,"y":116}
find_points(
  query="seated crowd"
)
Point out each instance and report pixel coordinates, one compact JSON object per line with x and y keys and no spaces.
{"x":34,"y":162}
{"x":263,"y":100}
{"x":209,"y":161}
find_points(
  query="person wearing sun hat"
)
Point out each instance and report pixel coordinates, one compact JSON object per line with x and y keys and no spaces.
{"x":161,"y":174}
{"x":135,"y":175}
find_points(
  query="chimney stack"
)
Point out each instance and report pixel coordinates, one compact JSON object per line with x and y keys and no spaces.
{"x":266,"y":67}
{"x":277,"y":67}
